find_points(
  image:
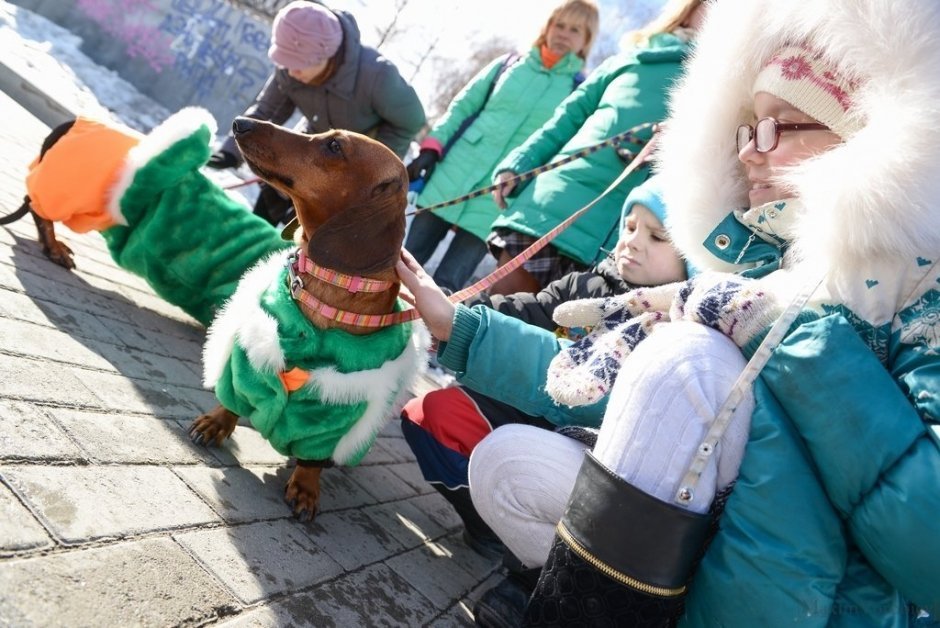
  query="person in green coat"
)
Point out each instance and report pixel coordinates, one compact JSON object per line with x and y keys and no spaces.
{"x":626,"y":90}
{"x":501,"y":106}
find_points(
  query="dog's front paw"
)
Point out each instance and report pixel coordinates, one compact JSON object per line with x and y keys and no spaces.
{"x":59,"y":253}
{"x":213,"y":427}
{"x":303,"y":492}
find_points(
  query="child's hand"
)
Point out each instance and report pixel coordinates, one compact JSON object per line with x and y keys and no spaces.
{"x":580,"y":313}
{"x":584,"y":372}
{"x":430,"y":301}
{"x":612,"y":311}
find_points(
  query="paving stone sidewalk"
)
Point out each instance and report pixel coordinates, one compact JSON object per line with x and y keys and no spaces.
{"x":109,"y":516}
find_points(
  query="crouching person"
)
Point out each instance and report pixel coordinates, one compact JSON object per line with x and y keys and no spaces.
{"x":829,"y":521}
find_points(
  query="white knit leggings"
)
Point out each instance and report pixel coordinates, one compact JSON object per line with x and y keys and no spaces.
{"x":667,"y":394}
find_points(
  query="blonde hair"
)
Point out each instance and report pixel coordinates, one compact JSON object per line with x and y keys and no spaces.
{"x":671,"y":17}
{"x":582,"y":12}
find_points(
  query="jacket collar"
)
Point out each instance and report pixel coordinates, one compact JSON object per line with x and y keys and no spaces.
{"x":736,"y":243}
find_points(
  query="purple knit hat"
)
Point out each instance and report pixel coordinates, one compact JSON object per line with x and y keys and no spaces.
{"x":304,"y":34}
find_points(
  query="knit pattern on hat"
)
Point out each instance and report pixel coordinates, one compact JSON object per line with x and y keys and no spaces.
{"x":803,"y":78}
{"x":304,"y":34}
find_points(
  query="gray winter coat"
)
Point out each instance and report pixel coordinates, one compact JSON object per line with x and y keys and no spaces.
{"x":366,"y":94}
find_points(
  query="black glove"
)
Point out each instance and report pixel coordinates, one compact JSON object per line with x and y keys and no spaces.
{"x":425,"y":162}
{"x":222,"y":159}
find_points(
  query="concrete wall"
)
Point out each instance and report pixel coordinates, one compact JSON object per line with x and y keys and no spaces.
{"x":210,"y":53}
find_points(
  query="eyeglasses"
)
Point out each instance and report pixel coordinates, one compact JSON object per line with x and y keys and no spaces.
{"x":767,"y":131}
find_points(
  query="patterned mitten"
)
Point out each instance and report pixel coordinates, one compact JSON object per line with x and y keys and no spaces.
{"x":612,"y":311}
{"x":585,"y":371}
{"x":738,"y":307}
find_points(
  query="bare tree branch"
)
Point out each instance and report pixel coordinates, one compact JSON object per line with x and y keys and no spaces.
{"x":391,"y":29}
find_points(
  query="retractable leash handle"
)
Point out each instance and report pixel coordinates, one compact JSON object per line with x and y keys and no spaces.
{"x":414,"y":189}
{"x":686,"y":493}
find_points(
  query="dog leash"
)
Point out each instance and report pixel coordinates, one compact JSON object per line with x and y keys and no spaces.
{"x":241,"y":184}
{"x":295,"y":283}
{"x":627,"y":136}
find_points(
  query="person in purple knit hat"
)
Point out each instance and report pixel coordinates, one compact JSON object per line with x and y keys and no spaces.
{"x":323,"y":69}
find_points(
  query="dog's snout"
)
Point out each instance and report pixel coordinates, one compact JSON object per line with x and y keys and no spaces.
{"x":243,"y":125}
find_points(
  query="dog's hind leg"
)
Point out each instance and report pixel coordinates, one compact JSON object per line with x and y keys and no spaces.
{"x":213,"y":427}
{"x":52,"y":248}
{"x":302,"y":493}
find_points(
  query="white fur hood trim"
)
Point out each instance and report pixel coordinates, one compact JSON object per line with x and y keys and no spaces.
{"x":181,"y":124}
{"x":385,"y":390}
{"x":241,"y":317}
{"x":874,"y":196}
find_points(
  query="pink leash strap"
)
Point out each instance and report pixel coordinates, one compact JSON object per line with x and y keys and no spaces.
{"x":539,"y":244}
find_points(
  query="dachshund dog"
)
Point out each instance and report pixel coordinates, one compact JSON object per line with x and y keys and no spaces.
{"x":290,"y":349}
{"x":161,"y":218}
{"x":52,"y":248}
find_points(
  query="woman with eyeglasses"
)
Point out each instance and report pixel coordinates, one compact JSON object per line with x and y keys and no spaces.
{"x":818,"y":133}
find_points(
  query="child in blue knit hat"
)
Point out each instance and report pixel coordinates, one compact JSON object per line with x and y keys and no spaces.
{"x":644,"y":255}
{"x":443,"y":426}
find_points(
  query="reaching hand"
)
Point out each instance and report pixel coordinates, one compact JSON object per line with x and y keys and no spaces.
{"x":504,"y":189}
{"x":585,"y":372}
{"x":222,"y":159}
{"x":430,"y":301}
{"x":423,"y":165}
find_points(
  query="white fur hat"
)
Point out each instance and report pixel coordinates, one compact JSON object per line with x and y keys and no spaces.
{"x":872,"y":196}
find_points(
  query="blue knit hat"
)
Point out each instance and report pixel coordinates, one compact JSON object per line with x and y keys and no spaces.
{"x":650,"y":195}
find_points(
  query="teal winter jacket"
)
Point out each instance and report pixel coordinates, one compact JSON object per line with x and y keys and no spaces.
{"x":624,"y":91}
{"x":523,"y":98}
{"x":481,"y":344}
{"x":832,"y":521}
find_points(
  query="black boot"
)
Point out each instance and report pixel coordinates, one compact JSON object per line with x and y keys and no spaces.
{"x":479,"y":536}
{"x":504,"y":605}
{"x":620,"y":557}
{"x":273,"y":206}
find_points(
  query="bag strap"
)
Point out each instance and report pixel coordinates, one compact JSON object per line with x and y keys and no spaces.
{"x":508,"y":60}
{"x":742,"y":385}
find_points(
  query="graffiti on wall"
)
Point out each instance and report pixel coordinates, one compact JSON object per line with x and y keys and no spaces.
{"x":126,"y":22}
{"x":265,"y":7}
{"x":211,"y":45}
{"x":216,"y":46}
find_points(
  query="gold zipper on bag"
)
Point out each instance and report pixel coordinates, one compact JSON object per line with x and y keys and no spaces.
{"x":610,"y":572}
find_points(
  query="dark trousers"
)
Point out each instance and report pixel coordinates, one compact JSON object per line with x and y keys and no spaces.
{"x":461,"y":258}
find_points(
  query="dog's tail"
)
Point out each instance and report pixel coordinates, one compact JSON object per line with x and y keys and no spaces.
{"x":19,"y":213}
